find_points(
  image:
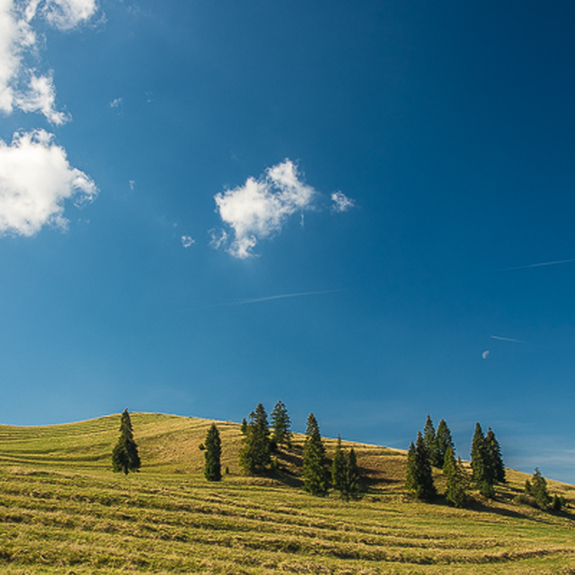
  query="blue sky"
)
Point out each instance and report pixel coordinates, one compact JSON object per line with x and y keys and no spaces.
{"x":362,"y":209}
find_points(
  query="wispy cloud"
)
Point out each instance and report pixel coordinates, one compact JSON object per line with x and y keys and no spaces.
{"x":187,"y":241}
{"x":510,"y":339}
{"x":260,"y":208}
{"x":35,"y":181}
{"x":341,"y":203}
{"x":540,"y":265}
{"x":280,"y":296}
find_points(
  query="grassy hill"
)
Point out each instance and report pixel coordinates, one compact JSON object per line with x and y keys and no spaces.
{"x":63,"y":511}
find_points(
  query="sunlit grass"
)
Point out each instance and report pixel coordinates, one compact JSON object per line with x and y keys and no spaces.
{"x":62,"y":510}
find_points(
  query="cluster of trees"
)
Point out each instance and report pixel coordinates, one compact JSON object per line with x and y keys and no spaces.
{"x":537,"y":494}
{"x":437,"y":449}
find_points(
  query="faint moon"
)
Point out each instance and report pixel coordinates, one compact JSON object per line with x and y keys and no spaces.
{"x":485,"y":354}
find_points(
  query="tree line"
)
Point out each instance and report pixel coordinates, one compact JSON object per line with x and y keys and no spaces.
{"x":432,"y":448}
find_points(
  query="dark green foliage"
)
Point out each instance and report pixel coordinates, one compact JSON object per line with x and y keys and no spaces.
{"x":537,"y":488}
{"x":419,"y":479}
{"x":213,"y":452}
{"x":483,"y":474}
{"x":255,"y":452}
{"x":315,"y":474}
{"x":494,"y":457}
{"x":281,"y":425}
{"x":338,"y":467}
{"x":457,"y":481}
{"x":443,"y":441}
{"x":345,"y":475}
{"x":244,"y":427}
{"x":125,"y":455}
{"x":557,"y":503}
{"x":429,"y":440}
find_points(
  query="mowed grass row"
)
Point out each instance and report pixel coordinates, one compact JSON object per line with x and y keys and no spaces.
{"x":62,"y":510}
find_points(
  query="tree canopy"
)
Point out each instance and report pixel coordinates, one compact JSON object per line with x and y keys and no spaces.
{"x":125,"y":455}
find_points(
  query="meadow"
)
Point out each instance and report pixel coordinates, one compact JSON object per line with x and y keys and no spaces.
{"x":63,"y":511}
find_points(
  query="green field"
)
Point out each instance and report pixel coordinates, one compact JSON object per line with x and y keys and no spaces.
{"x":63,"y":511}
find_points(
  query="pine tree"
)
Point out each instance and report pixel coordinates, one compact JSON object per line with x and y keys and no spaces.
{"x":255,"y":452}
{"x":443,"y":441}
{"x":351,"y":486}
{"x":212,"y":454}
{"x":315,"y":474}
{"x":494,"y":457}
{"x":338,"y":467}
{"x":281,"y":425}
{"x":429,"y":440}
{"x":456,"y":480}
{"x":419,"y":478}
{"x":480,"y":464}
{"x":125,"y":455}
{"x":538,"y":490}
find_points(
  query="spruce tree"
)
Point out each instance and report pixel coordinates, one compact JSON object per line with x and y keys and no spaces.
{"x":419,"y":478}
{"x":429,"y":440}
{"x":456,"y":479}
{"x":338,"y":467}
{"x":212,"y":454}
{"x":255,"y":452}
{"x":538,"y":490}
{"x":483,"y":476}
{"x":351,"y":486}
{"x":281,"y":425}
{"x":443,"y":441}
{"x":494,"y":457}
{"x":125,"y":455}
{"x":315,"y":474}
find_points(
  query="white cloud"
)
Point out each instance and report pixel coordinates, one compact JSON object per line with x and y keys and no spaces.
{"x":341,"y":203}
{"x":187,"y":241}
{"x":68,"y":14}
{"x":35,"y":181}
{"x":20,"y":86}
{"x":116,"y":103}
{"x":260,"y":208}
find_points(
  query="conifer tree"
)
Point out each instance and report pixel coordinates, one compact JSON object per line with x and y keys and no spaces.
{"x":537,"y":488}
{"x":338,"y":467}
{"x":281,"y":425}
{"x":443,"y":441}
{"x":480,"y":463}
{"x":419,"y":478}
{"x":494,"y":456}
{"x":429,"y":440}
{"x":456,"y":480}
{"x":212,"y":454}
{"x":255,"y":452}
{"x":351,"y":487}
{"x":315,"y":474}
{"x":125,"y":455}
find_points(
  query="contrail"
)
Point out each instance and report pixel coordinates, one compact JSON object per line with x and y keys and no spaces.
{"x":540,"y":265}
{"x":498,"y":337}
{"x":283,"y":296}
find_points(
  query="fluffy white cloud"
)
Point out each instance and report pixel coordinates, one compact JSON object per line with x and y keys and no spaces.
{"x":35,"y":181}
{"x":20,"y":86}
{"x":341,"y":203}
{"x":260,"y":208}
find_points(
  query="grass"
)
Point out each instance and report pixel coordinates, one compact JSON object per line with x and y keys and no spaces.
{"x":63,"y":511}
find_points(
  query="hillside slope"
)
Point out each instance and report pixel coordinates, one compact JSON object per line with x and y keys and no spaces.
{"x":62,"y":510}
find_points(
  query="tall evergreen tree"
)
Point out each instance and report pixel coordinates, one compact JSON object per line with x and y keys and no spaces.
{"x":255,"y":452}
{"x":212,"y":454}
{"x":429,"y":440}
{"x":351,"y":486}
{"x":443,"y":441}
{"x":125,"y":455}
{"x":494,"y":456}
{"x":537,"y":488}
{"x":315,"y":474}
{"x":338,"y":467}
{"x":456,"y":479}
{"x":281,"y":425}
{"x":483,"y":476}
{"x":419,"y":478}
